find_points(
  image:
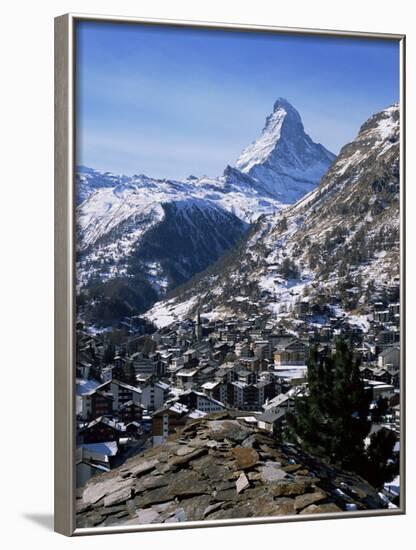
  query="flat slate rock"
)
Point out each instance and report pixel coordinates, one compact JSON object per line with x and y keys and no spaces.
{"x":302,"y":501}
{"x":180,"y":460}
{"x":271,"y":472}
{"x":245,"y":457}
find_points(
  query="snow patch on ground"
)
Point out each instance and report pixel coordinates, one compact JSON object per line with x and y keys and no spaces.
{"x":163,"y":314}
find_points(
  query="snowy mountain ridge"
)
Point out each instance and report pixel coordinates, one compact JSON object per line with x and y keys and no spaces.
{"x":113,"y":220}
{"x":343,"y":232}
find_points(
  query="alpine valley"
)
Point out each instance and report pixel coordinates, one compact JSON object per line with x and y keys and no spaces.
{"x":336,"y":249}
{"x":139,"y":238}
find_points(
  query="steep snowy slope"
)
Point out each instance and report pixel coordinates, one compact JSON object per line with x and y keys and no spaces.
{"x":141,"y":237}
{"x":166,"y":234}
{"x":342,"y":239}
{"x":284,"y":160}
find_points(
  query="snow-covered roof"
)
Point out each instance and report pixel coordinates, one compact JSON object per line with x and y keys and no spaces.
{"x":108,"y":448}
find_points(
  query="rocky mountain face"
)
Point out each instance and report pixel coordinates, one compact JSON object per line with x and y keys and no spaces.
{"x":342,"y":234}
{"x":219,"y":467}
{"x":284,"y":160}
{"x":156,"y":234}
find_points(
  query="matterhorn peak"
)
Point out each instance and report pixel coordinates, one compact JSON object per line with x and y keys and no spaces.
{"x":283,"y":104}
{"x":284,"y":159}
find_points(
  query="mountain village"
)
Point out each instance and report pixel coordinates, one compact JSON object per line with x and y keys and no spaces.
{"x":133,"y":395}
{"x":237,"y":340}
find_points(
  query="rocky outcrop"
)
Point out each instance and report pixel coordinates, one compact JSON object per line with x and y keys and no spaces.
{"x":219,"y":467}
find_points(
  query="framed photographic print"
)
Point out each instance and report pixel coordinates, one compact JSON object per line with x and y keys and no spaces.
{"x":229,"y":274}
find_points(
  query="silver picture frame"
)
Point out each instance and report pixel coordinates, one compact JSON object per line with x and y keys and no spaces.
{"x":64,"y":370}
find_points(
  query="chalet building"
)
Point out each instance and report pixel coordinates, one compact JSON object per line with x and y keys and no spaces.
{"x":165,"y":359}
{"x":153,"y":395}
{"x":292,"y":355}
{"x":242,"y":395}
{"x":108,"y":398}
{"x":167,"y":420}
{"x":177,"y":362}
{"x":250,"y":363}
{"x":216,"y":389}
{"x":271,"y":421}
{"x":280,"y":339}
{"x":228,"y":371}
{"x":363,"y":353}
{"x":389,"y":358}
{"x":325,"y":333}
{"x":282,"y":402}
{"x":99,"y":430}
{"x":130,"y":412}
{"x":94,"y":459}
{"x":147,"y":366}
{"x":168,"y":339}
{"x":198,"y":400}
{"x":186,"y":378}
{"x":266,"y":390}
{"x":220,"y":351}
{"x":246,"y":376}
{"x":249,"y":397}
{"x":95,"y":403}
{"x":123,"y":392}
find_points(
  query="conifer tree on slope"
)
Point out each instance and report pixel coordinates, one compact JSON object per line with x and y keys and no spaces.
{"x":331,"y":422}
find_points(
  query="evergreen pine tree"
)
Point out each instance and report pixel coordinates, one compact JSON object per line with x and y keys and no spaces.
{"x":331,"y":421}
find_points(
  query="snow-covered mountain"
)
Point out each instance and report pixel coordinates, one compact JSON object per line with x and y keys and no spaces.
{"x":113,"y":221}
{"x":342,"y":240}
{"x":284,"y":160}
{"x":166,"y":230}
{"x":168,"y":233}
{"x":89,"y":180}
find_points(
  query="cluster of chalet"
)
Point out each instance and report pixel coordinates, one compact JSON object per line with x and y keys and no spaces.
{"x":134,"y":394}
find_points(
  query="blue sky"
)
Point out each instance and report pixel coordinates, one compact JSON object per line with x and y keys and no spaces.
{"x":169,"y":102}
